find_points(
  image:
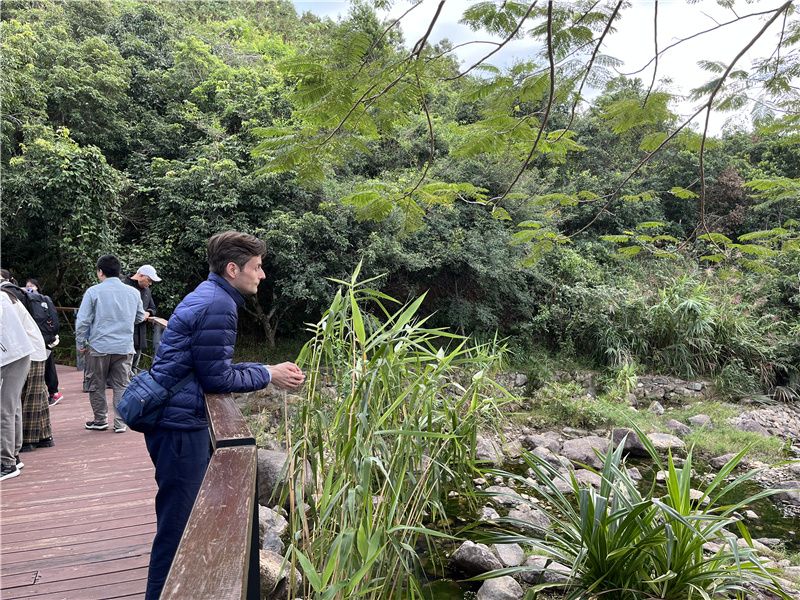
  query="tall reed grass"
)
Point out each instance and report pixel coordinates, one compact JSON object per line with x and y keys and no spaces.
{"x":388,"y":427}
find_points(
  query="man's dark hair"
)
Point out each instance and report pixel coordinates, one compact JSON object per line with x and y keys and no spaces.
{"x":35,"y":282}
{"x":235,"y":247}
{"x":109,"y":265}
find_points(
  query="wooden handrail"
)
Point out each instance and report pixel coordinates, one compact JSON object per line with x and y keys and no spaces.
{"x":217,"y":558}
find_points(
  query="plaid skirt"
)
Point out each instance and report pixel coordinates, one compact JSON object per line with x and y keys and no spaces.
{"x":35,"y":408}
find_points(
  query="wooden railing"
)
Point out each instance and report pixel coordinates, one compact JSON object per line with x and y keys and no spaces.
{"x":217,"y":558}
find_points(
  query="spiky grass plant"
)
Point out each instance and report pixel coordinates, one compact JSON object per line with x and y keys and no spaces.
{"x":630,"y":545}
{"x":384,"y":449}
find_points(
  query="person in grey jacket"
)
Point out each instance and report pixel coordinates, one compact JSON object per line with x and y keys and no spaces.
{"x":104,"y":335}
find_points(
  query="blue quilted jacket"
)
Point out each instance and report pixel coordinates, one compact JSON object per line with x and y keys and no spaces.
{"x":199,"y":339}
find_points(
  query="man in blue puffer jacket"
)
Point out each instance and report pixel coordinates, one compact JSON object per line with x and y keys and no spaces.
{"x":199,"y":341}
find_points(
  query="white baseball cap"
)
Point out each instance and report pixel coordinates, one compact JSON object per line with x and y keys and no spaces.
{"x":148,"y":271}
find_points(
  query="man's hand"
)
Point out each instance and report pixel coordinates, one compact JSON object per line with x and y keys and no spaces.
{"x":83,"y":350}
{"x":287,"y":375}
{"x":146,"y":315}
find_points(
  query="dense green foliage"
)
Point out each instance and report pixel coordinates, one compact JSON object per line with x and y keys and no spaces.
{"x":143,"y":127}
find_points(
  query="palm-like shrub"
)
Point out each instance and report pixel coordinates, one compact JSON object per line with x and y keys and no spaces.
{"x":383,"y":453}
{"x":630,"y":545}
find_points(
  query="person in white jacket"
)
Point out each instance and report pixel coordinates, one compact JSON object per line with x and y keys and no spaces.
{"x":20,"y":342}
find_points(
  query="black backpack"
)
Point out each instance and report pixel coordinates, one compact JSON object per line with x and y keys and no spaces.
{"x":44,"y":313}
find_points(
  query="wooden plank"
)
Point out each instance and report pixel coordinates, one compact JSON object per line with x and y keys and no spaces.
{"x":12,"y":541}
{"x":226,"y":422}
{"x":212,"y":561}
{"x":76,"y":585}
{"x":72,"y":553}
{"x":76,"y":539}
{"x":78,"y":572}
{"x":127,"y":589}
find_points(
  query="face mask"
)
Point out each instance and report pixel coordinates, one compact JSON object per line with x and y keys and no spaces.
{"x":31,"y":289}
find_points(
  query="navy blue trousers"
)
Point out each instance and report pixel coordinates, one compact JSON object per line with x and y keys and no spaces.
{"x":181,"y":459}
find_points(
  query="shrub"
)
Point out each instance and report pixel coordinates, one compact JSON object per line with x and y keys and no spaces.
{"x":384,"y":449}
{"x":631,"y":545}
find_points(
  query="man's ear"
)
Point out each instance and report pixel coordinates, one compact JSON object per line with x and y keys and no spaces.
{"x":231,"y":270}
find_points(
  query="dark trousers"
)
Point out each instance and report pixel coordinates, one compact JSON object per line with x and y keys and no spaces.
{"x":50,"y":375}
{"x":181,"y":459}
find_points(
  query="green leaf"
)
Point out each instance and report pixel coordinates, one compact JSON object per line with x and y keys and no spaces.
{"x":682,"y":193}
{"x":629,"y":251}
{"x":716,"y":238}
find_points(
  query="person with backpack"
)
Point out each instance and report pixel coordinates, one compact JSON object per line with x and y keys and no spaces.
{"x":46,"y":317}
{"x":35,"y":411}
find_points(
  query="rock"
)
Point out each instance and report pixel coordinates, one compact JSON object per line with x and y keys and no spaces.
{"x":530,"y":518}
{"x":790,"y":492}
{"x":502,"y":495}
{"x":513,"y":449}
{"x":500,"y":588}
{"x":771,"y":542}
{"x":479,"y":481}
{"x":720,"y":461}
{"x":582,"y":450}
{"x":547,"y":440}
{"x":487,"y":450}
{"x":751,"y":425}
{"x":751,"y":515}
{"x":575,"y":433}
{"x":274,"y":584}
{"x":544,"y":570}
{"x":633,"y":445}
{"x":474,"y":559}
{"x":271,"y":527}
{"x":665,"y":441}
{"x":656,"y":408}
{"x":272,"y":475}
{"x":548,"y":456}
{"x":697,"y":495}
{"x":695,"y":386}
{"x":701,"y":421}
{"x":520,"y":380}
{"x":511,"y":555}
{"x":634,"y":474}
{"x":678,"y":428}
{"x":587,"y":478}
{"x":488,"y":514}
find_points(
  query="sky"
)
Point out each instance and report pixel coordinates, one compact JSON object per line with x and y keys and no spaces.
{"x":632,"y":43}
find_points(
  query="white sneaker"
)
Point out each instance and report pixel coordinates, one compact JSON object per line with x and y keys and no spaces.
{"x":122,"y":429}
{"x":9,"y":472}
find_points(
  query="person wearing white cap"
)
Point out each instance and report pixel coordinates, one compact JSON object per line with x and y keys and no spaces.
{"x":144,"y":277}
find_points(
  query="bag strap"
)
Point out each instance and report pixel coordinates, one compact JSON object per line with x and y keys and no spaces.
{"x":181,"y":384}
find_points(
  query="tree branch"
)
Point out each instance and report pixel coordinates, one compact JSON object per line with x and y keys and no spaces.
{"x":500,"y":46}
{"x":550,"y":98}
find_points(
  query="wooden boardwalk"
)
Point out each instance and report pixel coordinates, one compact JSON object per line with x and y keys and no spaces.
{"x":78,"y":523}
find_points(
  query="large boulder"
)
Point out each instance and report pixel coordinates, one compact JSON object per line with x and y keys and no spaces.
{"x":666,"y":441}
{"x":583,"y":450}
{"x":487,"y":450}
{"x":701,"y":421}
{"x":504,"y":496}
{"x":529,"y":517}
{"x":549,"y":440}
{"x":790,"y":492}
{"x":678,"y":428}
{"x":274,"y":582}
{"x":633,"y":445}
{"x":511,"y":555}
{"x":271,"y":527}
{"x":474,"y":559}
{"x":501,"y":588}
{"x":543,"y":570}
{"x":272,"y":476}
